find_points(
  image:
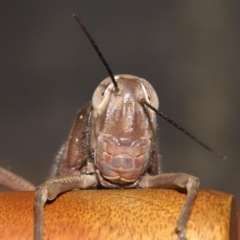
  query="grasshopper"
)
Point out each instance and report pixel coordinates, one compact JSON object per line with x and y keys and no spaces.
{"x":112,"y":144}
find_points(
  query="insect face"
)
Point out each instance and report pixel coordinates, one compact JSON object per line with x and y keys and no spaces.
{"x":123,"y":130}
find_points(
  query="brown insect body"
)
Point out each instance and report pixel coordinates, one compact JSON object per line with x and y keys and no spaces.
{"x":115,"y":136}
{"x":113,"y":144}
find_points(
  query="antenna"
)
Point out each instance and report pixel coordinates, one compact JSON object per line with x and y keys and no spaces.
{"x":185,"y":131}
{"x":98,"y":52}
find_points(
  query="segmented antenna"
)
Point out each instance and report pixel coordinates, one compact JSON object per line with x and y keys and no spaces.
{"x":185,"y":131}
{"x":98,"y":52}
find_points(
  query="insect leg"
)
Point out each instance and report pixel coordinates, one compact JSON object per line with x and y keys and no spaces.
{"x":176,"y":181}
{"x":49,"y":191}
{"x":14,"y":182}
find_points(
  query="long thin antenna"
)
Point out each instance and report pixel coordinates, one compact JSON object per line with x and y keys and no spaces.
{"x":98,"y":52}
{"x":185,"y":131}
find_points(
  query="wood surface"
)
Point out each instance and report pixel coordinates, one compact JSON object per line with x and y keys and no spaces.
{"x":119,"y":214}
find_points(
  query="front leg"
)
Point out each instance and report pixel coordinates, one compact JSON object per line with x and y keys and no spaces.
{"x":53,"y":187}
{"x":176,"y":181}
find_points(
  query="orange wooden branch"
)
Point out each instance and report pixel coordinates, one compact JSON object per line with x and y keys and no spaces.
{"x":119,"y":214}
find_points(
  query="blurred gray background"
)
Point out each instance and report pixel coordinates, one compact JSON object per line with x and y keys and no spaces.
{"x":188,"y":50}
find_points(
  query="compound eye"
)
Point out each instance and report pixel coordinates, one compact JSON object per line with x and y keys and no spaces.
{"x":102,"y":93}
{"x":149,"y":93}
{"x":105,"y":90}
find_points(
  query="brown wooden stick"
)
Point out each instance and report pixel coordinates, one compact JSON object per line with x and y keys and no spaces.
{"x":119,"y":214}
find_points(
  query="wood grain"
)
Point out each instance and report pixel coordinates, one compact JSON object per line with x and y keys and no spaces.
{"x":119,"y":214}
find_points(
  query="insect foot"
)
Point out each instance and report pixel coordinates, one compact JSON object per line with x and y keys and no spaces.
{"x":192,"y":190}
{"x":49,"y":191}
{"x":182,"y":181}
